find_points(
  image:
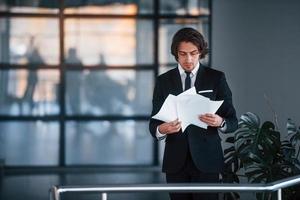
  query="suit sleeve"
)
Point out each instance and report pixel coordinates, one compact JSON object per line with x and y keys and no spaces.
{"x":157,"y":102}
{"x":227,"y":110}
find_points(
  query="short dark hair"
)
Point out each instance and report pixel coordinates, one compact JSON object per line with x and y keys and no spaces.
{"x":189,"y":35}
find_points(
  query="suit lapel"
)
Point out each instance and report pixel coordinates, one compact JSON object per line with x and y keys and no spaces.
{"x":199,"y":82}
{"x":176,"y":81}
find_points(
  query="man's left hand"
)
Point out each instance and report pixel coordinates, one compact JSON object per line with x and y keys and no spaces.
{"x":213,"y":120}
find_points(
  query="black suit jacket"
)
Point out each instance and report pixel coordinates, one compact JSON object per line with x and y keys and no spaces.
{"x":204,"y":144}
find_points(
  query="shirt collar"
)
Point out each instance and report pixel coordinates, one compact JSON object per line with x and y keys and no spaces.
{"x":193,"y":72}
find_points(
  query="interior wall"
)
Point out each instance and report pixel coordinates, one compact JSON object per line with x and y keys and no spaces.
{"x":257,"y":44}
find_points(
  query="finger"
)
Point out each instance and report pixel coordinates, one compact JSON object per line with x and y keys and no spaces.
{"x":178,"y":123}
{"x":207,"y":120}
{"x":209,"y":115}
{"x":175,"y":121}
{"x":178,"y":126}
{"x":174,"y":131}
{"x":175,"y":127}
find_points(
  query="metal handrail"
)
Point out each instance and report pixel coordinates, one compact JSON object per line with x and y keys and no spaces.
{"x":56,"y":191}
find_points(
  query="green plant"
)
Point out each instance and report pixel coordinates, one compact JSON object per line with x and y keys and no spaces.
{"x":262,"y":156}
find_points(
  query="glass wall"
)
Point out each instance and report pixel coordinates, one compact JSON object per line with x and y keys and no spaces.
{"x":76,"y":78}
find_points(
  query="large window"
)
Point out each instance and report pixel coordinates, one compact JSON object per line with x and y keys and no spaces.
{"x":76,"y":78}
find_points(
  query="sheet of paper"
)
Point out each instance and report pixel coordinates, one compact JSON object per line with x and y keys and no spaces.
{"x":190,"y":107}
{"x":186,"y":107}
{"x":190,"y":91}
{"x":168,"y":111}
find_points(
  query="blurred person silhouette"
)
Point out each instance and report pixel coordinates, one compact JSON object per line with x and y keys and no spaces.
{"x":74,"y":81}
{"x":108,"y":96}
{"x":104,"y":92}
{"x":72,"y":57}
{"x":102,"y":59}
{"x":34,"y":59}
{"x":75,"y":89}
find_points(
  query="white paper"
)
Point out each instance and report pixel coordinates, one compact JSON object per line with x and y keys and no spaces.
{"x":168,"y":111}
{"x":187,"y":107}
{"x":190,"y":107}
{"x":189,"y":92}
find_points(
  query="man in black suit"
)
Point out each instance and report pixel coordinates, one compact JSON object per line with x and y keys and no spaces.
{"x":195,"y":155}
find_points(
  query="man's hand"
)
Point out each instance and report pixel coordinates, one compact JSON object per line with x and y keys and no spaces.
{"x":170,"y":127}
{"x":213,"y":120}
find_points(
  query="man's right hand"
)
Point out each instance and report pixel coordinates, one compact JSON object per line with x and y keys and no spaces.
{"x":170,"y":127}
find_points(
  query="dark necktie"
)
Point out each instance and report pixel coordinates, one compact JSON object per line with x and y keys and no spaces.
{"x":187,"y":83}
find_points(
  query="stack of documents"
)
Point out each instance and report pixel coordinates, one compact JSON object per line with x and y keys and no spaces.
{"x":187,"y":107}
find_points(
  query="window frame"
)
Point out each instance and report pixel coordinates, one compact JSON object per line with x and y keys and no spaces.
{"x":62,"y":118}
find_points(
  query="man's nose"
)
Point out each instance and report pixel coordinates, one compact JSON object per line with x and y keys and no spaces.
{"x":188,"y":57}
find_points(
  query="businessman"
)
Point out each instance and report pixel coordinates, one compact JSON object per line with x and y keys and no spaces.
{"x":195,"y":155}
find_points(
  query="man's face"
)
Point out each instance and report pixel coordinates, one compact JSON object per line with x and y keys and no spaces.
{"x":188,"y":55}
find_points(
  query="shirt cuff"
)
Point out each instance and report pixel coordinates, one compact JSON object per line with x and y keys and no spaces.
{"x":160,"y":136}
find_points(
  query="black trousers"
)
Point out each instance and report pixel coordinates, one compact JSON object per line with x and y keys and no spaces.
{"x":190,"y":174}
